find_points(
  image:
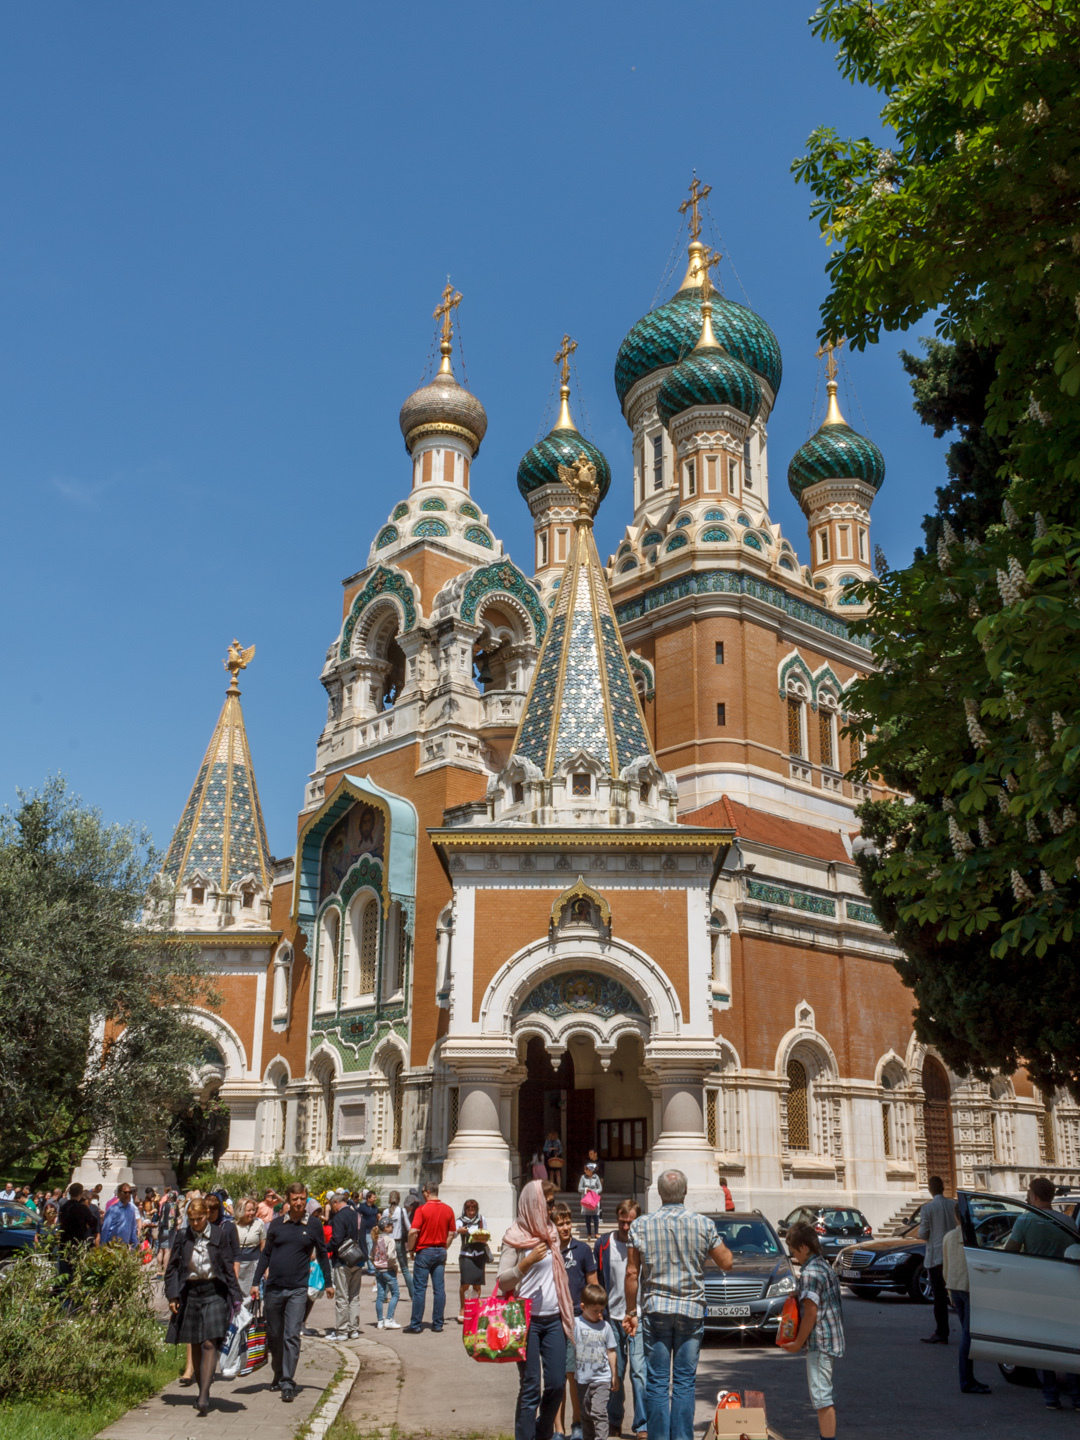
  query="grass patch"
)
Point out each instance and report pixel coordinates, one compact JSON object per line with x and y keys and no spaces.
{"x":305,"y":1428}
{"x":68,"y":1417}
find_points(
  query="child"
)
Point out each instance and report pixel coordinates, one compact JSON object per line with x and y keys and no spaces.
{"x":594,"y":1362}
{"x":384,"y":1258}
{"x":821,"y":1325}
{"x":580,"y":1271}
{"x":590,"y":1188}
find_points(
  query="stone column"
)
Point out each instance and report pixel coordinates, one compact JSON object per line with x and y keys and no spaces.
{"x":478,"y":1161}
{"x":682,"y":1143}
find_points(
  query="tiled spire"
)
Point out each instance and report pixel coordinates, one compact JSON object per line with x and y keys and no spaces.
{"x":582,"y":695}
{"x":221,"y":832}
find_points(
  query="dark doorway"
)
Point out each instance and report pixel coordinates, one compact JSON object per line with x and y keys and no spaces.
{"x":937,"y":1123}
{"x":580,"y":1133}
{"x":543,"y":1102}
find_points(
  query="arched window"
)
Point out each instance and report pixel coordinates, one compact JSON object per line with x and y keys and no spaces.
{"x":397,"y":1104}
{"x":328,"y":959}
{"x":322,"y":1111}
{"x":795,"y":737}
{"x":798,"y":1106}
{"x":827,"y":731}
{"x":369,"y":946}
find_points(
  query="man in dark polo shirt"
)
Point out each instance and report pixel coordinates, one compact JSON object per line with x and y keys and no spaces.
{"x":291,"y":1240}
{"x":432,"y":1222}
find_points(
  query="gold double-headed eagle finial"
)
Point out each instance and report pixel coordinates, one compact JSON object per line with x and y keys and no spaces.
{"x":580,"y":477}
{"x":698,"y":193}
{"x":236,"y":660}
{"x":444,"y":312}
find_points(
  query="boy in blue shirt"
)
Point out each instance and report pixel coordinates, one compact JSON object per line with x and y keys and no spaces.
{"x":595,"y":1362}
{"x":580,"y":1271}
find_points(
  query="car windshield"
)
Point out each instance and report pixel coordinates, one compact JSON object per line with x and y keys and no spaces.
{"x":747,"y":1237}
{"x":17,"y":1217}
{"x":842,"y":1217}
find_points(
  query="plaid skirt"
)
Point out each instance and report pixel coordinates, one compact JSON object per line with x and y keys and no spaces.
{"x":204,"y":1312}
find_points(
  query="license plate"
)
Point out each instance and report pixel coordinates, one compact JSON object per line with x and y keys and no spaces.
{"x":850,"y":1274}
{"x":729,"y":1310}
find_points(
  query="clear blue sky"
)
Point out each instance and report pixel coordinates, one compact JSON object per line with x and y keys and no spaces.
{"x":225,"y":229}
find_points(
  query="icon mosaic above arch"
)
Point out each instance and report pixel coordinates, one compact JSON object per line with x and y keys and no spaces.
{"x":581,"y":905}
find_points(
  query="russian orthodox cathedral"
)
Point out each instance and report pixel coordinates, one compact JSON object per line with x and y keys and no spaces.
{"x":576,"y":852}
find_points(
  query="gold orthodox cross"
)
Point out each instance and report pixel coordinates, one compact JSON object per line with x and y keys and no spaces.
{"x":445,"y":311}
{"x":698,"y":192}
{"x":702,"y":266}
{"x":566,"y":349}
{"x":829,"y":351}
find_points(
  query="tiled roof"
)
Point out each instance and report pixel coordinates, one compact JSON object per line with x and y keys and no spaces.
{"x":582,"y":695}
{"x":221,"y":832}
{"x":540,"y":465}
{"x":766,"y":829}
{"x":836,"y":452}
{"x":708,"y":377}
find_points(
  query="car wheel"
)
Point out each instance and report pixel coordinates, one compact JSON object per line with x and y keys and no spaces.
{"x":865,"y":1292}
{"x":919,"y":1287}
{"x":1020,"y":1375}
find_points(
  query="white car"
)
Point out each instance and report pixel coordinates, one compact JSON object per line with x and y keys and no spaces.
{"x":1025,"y":1307}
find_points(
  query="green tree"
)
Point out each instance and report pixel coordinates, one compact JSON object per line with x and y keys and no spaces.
{"x":198,"y":1129}
{"x":973,"y":214}
{"x":95,"y":1040}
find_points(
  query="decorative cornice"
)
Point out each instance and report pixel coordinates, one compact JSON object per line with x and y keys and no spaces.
{"x":217,"y":939}
{"x":534,"y":838}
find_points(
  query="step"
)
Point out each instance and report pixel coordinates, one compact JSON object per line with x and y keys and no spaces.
{"x":897,"y":1222}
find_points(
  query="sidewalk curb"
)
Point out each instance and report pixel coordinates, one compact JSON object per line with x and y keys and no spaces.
{"x":335,"y":1396}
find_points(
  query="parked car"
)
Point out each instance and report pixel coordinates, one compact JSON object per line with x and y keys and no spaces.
{"x":895,"y":1264}
{"x":898,"y":1263}
{"x":1025,"y":1307}
{"x":836,"y":1226}
{"x":19,"y":1226}
{"x":751,"y":1294}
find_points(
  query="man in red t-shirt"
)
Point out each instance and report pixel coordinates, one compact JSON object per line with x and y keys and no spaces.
{"x":432,"y":1223}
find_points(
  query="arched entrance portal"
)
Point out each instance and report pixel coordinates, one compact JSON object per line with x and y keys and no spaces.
{"x":937,"y":1123}
{"x":588,"y":1105}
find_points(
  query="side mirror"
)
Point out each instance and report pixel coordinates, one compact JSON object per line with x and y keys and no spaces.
{"x":1072,"y":1254}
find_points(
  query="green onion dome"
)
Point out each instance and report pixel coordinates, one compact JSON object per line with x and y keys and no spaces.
{"x":836,"y":452}
{"x":562,"y":446}
{"x":671,"y":331}
{"x":709,"y":376}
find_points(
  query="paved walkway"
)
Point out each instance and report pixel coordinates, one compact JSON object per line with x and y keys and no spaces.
{"x":239,"y":1409}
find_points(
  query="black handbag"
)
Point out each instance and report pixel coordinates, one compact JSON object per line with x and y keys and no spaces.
{"x":349,"y":1253}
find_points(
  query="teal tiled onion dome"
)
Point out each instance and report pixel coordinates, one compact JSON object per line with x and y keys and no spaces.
{"x":540,"y":465}
{"x":836,"y":452}
{"x":709,"y":376}
{"x":671,"y":331}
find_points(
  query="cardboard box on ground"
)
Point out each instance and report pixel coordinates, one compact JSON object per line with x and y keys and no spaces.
{"x":743,"y":1424}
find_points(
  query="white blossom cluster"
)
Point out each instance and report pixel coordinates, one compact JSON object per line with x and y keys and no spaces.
{"x":1019,"y":888}
{"x":975,"y":731}
{"x":959,"y":840}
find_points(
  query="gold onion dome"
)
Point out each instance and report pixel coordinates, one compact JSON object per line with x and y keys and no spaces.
{"x":444,"y":407}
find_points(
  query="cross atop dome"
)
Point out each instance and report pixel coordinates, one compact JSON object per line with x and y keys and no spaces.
{"x":444,"y":311}
{"x":829,"y":349}
{"x":562,"y":359}
{"x":698,"y":193}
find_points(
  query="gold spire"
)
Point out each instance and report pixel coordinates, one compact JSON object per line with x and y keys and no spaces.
{"x":700,"y":265}
{"x":833,"y":415}
{"x":445,"y":312}
{"x":237,"y":659}
{"x":562,"y":359}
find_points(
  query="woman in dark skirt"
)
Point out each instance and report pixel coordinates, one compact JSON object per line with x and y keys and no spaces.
{"x":202,"y":1291}
{"x":472,"y":1228}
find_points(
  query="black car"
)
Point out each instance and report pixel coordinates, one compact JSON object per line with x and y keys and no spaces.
{"x":19,"y":1226}
{"x":898,"y":1264}
{"x":836,"y":1226}
{"x":751,"y":1294}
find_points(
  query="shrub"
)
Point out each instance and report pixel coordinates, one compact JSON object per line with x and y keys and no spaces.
{"x":72,"y":1334}
{"x":279,"y":1174}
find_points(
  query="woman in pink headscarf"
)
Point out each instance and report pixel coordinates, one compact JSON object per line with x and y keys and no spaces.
{"x":531,"y":1266}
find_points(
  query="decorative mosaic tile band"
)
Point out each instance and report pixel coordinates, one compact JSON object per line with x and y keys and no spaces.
{"x":505,"y":576}
{"x":796,"y":899}
{"x":734,"y":582}
{"x":382,"y":582}
{"x":861,"y":912}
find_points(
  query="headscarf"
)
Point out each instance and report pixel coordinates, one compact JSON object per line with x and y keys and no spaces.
{"x":533,"y":1227}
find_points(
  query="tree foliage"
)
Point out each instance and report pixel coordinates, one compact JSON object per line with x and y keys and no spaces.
{"x":973,"y":214}
{"x":95,"y":1040}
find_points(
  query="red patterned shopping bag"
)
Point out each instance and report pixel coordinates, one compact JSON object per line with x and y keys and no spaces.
{"x":255,"y":1356}
{"x":496,"y":1329}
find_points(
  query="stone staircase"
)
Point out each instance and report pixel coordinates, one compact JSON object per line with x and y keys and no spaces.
{"x":902,"y":1218}
{"x":609,"y":1205}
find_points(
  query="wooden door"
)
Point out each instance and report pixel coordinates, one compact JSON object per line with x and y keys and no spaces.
{"x":937,"y":1123}
{"x":580,"y":1133}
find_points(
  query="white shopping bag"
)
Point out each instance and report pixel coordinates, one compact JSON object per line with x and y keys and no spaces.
{"x":235,"y":1346}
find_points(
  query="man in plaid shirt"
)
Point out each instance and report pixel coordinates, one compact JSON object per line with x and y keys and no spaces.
{"x":667,"y":1252}
{"x":821,"y":1322}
